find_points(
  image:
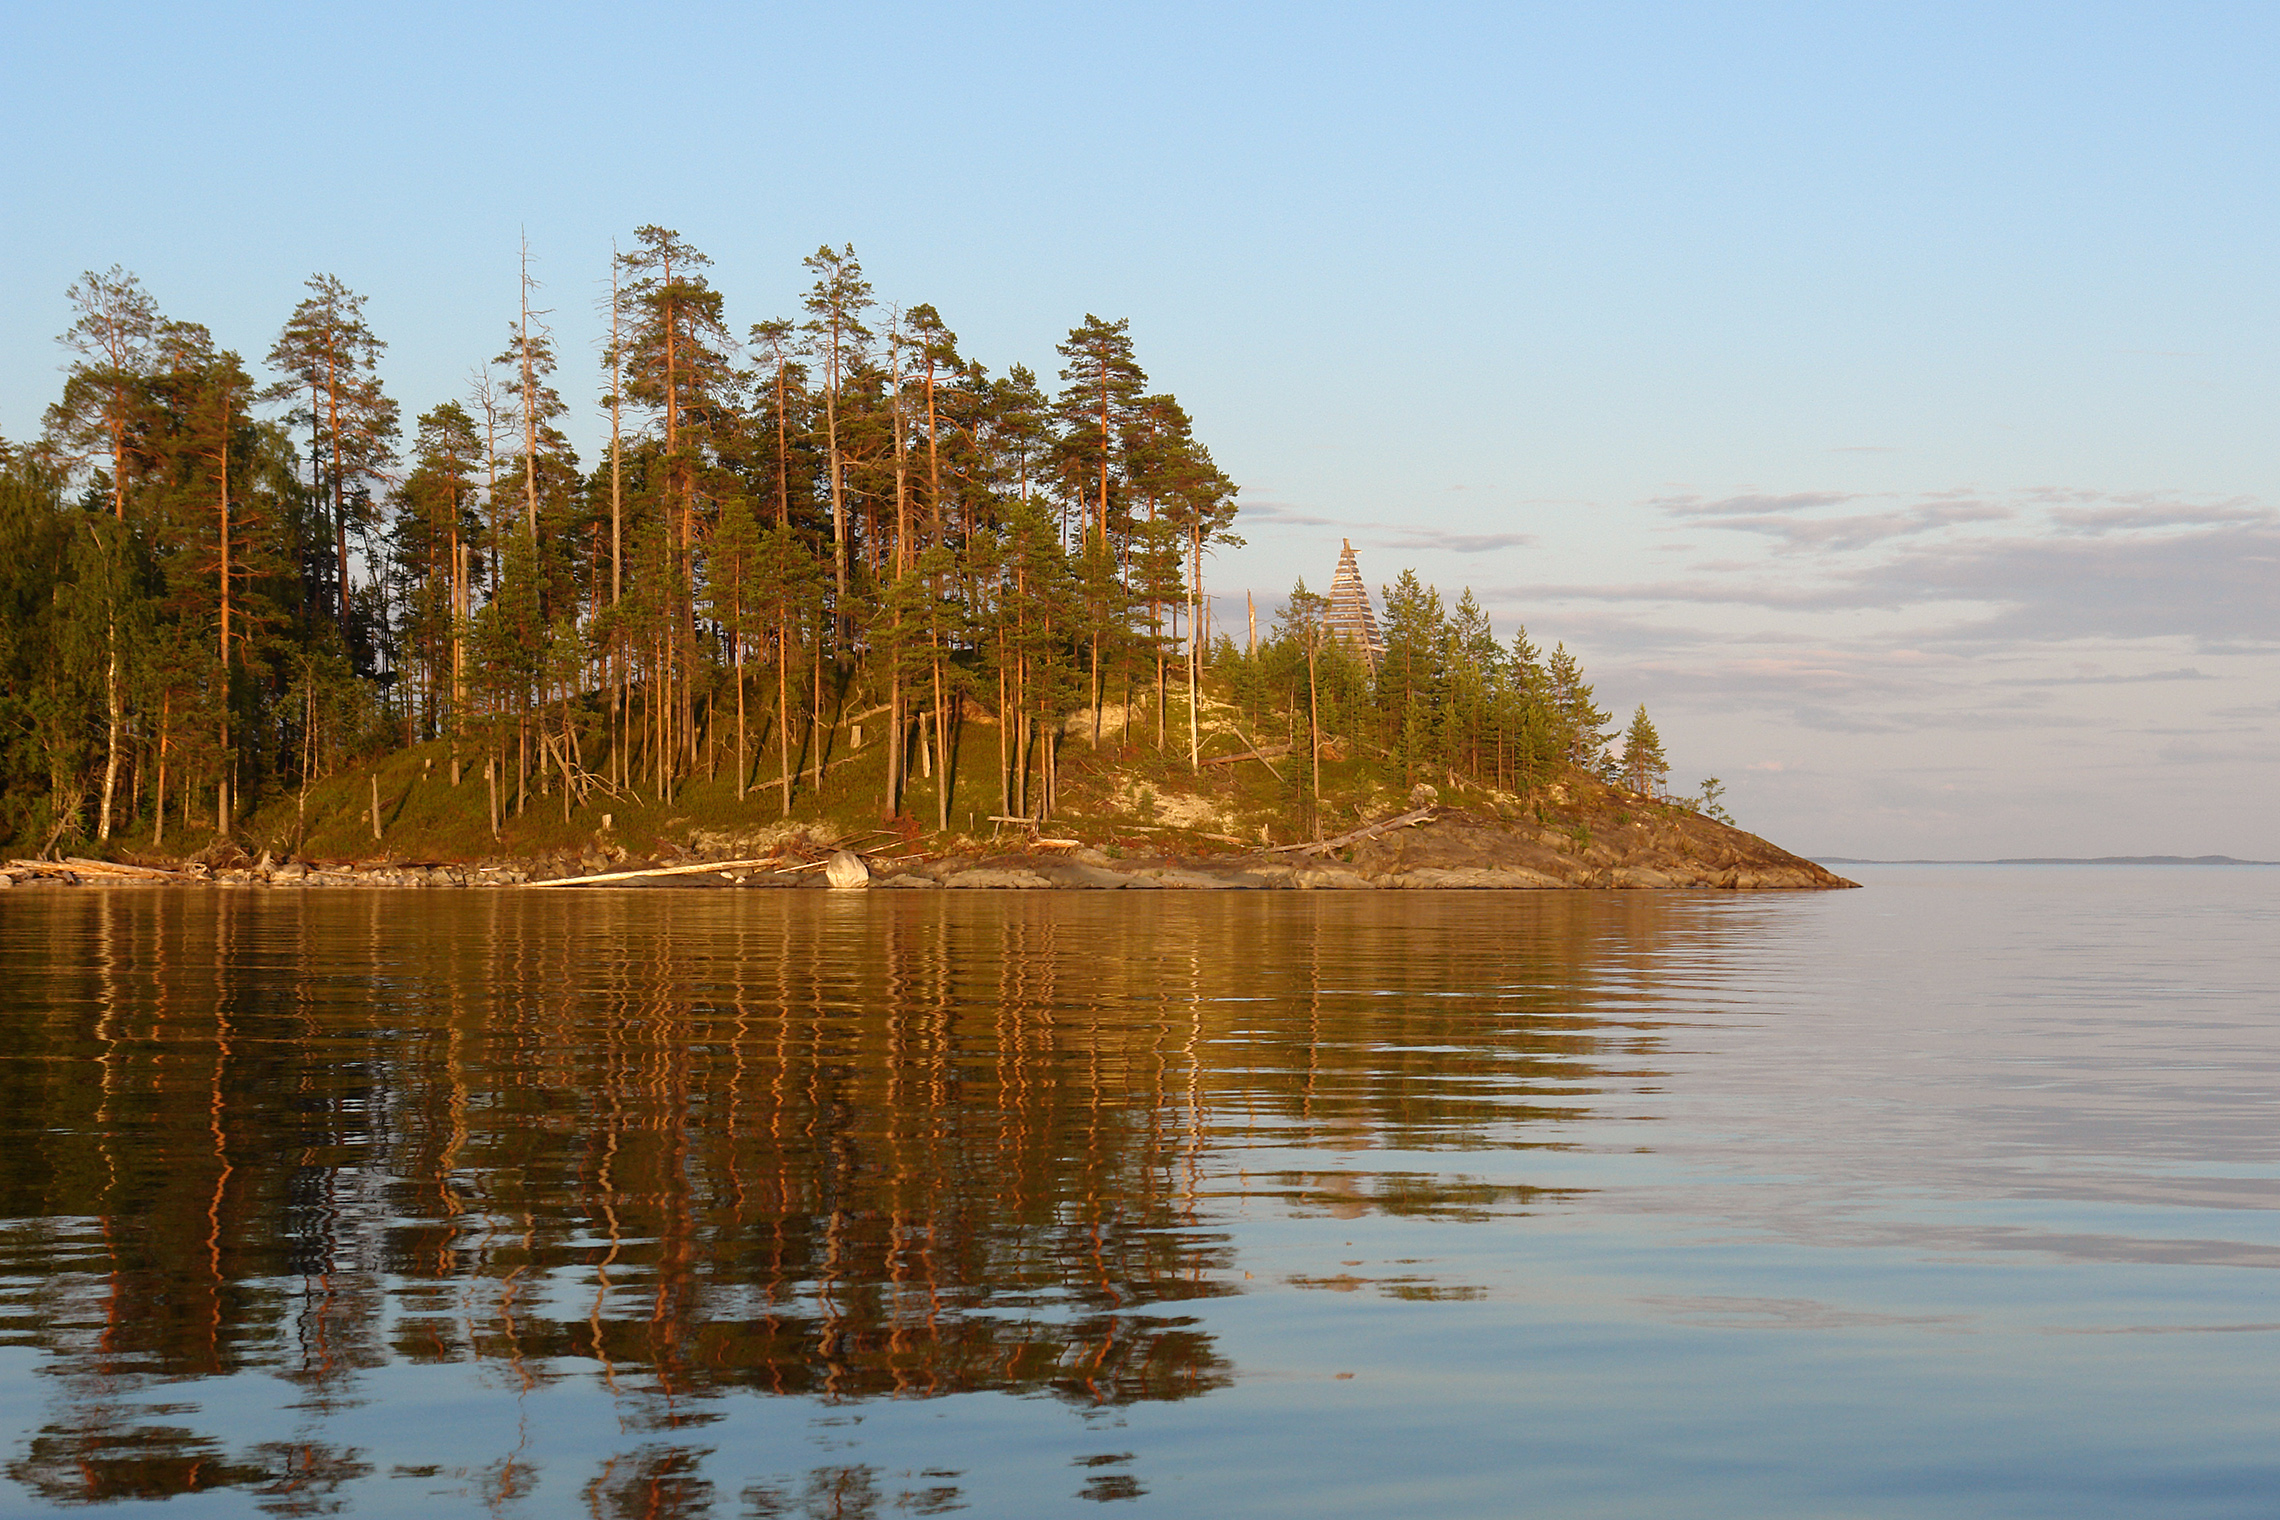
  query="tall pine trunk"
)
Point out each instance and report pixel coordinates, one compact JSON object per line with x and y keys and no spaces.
{"x":784,"y":713}
{"x":941,"y":750}
{"x":1004,"y":724}
{"x":894,"y":732}
{"x":1195,"y":649}
{"x":115,"y":704}
{"x":222,"y":789}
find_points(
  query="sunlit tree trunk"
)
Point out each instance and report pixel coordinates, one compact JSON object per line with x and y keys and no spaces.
{"x":617,"y":671}
{"x":530,"y":404}
{"x":784,"y":710}
{"x":1195,"y":652}
{"x":165,"y":736}
{"x":222,"y":798}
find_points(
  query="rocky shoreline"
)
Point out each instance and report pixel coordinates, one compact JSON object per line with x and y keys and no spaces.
{"x":1432,"y":849}
{"x":1429,"y":848}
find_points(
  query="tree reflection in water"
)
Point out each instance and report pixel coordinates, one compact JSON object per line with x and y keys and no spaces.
{"x":679,"y":1145}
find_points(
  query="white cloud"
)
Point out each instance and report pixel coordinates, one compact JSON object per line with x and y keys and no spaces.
{"x":2183,"y":673}
{"x":1841,"y":534}
{"x":1724,"y":506}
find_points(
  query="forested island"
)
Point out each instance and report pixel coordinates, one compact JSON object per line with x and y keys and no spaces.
{"x":829,"y":583}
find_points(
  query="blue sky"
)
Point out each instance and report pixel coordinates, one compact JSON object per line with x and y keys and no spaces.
{"x":1886,"y":396}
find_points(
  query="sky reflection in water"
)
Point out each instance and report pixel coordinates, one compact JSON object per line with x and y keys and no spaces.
{"x":1958,"y":1192}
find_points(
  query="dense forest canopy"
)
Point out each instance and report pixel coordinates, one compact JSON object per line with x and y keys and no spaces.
{"x":218,"y":589}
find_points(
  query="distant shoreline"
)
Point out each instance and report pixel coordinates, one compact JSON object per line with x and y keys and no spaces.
{"x":2053,"y":860}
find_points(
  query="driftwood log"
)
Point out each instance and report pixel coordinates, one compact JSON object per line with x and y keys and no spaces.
{"x":699,"y":869}
{"x":75,"y":866}
{"x":1382,"y":826}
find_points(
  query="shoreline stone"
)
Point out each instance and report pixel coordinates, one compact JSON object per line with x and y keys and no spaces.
{"x":1445,"y":849}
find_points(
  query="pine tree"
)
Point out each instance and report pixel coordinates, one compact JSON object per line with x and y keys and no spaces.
{"x":786,"y":592}
{"x":1644,"y":764}
{"x":733,"y":574}
{"x":36,"y":720}
{"x":676,"y":358}
{"x":1020,"y":427}
{"x":433,"y":547}
{"x":784,"y":382}
{"x":1201,"y":501}
{"x":509,"y":645}
{"x":1300,"y":628}
{"x":114,"y":333}
{"x":1578,"y":724}
{"x":936,"y":357}
{"x":1412,"y":673}
{"x":1525,"y":738}
{"x":1101,"y":387}
{"x":1037,"y":622}
{"x":219,"y":487}
{"x":837,"y":338}
{"x":530,"y":354}
{"x":931,"y":486}
{"x":677,"y":365}
{"x":333,"y":354}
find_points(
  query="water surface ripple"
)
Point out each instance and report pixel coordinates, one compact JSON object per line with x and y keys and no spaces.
{"x":1960,"y":1194}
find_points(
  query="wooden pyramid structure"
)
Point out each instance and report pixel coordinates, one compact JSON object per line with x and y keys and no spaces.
{"x":1351,"y":620}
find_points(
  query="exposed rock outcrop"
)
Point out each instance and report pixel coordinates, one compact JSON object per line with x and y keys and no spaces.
{"x":1576,"y":835}
{"x":1625,"y":848}
{"x":1432,"y":848}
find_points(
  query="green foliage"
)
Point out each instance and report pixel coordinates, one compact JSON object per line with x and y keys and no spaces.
{"x":1446,"y":700}
{"x":1645,"y":767}
{"x":200,"y":608}
{"x":330,"y":357}
{"x":45,"y":709}
{"x":1709,"y":804}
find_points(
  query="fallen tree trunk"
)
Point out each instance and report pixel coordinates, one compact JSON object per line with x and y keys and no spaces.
{"x":1382,"y":826}
{"x":699,"y":869}
{"x":1261,"y":755}
{"x":118,"y":868}
{"x":76,"y":867}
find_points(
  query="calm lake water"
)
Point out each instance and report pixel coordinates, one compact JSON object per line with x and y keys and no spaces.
{"x":1955,"y":1196}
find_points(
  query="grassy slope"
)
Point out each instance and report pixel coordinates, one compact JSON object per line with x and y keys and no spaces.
{"x":1128,"y":795}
